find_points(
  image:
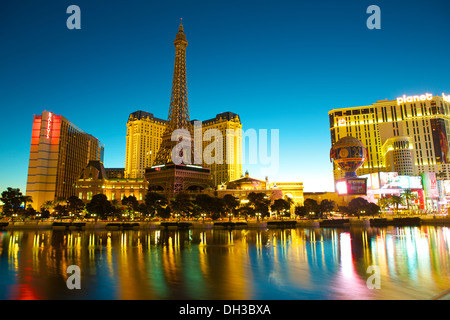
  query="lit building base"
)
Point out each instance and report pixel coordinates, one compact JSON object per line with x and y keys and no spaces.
{"x":171,"y":178}
{"x":352,"y":186}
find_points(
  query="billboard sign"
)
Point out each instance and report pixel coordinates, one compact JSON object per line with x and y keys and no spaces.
{"x":352,"y":186}
{"x":430,"y":184}
{"x":391,"y":180}
{"x":440,"y":140}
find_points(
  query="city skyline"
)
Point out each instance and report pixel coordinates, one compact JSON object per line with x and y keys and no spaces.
{"x":251,"y":61}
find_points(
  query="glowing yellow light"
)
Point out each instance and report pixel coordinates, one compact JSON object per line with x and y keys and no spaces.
{"x":423,"y":97}
{"x":446,"y":97}
{"x":341,"y":187}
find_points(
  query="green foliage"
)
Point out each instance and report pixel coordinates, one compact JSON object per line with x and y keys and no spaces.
{"x":360,"y":206}
{"x":384,"y":202}
{"x":60,"y":210}
{"x":156,"y":203}
{"x":75,"y":204}
{"x":130,"y":203}
{"x":213,"y":206}
{"x":372,"y":209}
{"x":117,"y":208}
{"x":143,"y":209}
{"x":396,"y":201}
{"x":408,"y":195}
{"x":312,"y":209}
{"x":182,"y":204}
{"x":259,"y":203}
{"x":301,"y":211}
{"x":100,"y":206}
{"x":326,"y":206}
{"x":203,"y":203}
{"x":280,"y":206}
{"x":357,"y":206}
{"x":231,"y":203}
{"x":12,"y":200}
{"x":165,"y":213}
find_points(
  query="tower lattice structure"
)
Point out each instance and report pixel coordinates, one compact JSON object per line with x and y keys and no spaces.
{"x":178,"y":117}
{"x":168,"y":175}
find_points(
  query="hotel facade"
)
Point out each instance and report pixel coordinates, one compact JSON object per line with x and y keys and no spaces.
{"x":144,"y":137}
{"x":409,"y":135}
{"x":96,"y":179}
{"x":59,"y":152}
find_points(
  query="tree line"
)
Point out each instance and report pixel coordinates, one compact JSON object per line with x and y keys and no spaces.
{"x":155,"y":205}
{"x":185,"y":205}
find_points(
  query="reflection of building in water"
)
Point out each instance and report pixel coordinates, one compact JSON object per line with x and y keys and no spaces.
{"x":223,"y":264}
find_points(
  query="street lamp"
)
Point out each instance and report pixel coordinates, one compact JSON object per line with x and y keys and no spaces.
{"x":361,"y":213}
{"x":257,"y":216}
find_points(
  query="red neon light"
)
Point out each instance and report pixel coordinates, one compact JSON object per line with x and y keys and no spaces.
{"x":49,"y":124}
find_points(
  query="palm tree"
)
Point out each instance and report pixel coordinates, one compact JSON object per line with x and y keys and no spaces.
{"x":47,"y":205}
{"x":408,"y":195}
{"x":290,"y":202}
{"x":26,"y":199}
{"x":60,"y":201}
{"x":384,"y":202}
{"x":396,"y":201}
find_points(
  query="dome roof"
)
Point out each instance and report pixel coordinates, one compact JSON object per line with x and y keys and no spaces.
{"x":348,"y":142}
{"x":245,"y":183}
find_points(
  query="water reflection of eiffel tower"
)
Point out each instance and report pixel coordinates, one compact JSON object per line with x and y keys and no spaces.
{"x":173,"y":171}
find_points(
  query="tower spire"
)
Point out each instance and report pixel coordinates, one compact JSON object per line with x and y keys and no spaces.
{"x":178,"y":117}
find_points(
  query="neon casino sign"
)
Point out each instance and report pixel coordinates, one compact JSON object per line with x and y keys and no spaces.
{"x":49,"y":124}
{"x":422,"y":97}
{"x":341,"y":121}
{"x":446,"y":97}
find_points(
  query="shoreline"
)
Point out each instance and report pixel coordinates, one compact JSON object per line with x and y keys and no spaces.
{"x":251,"y":224}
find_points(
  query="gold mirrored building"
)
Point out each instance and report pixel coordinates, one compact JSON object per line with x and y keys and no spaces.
{"x":409,"y":135}
{"x":58,"y":154}
{"x":144,"y":136}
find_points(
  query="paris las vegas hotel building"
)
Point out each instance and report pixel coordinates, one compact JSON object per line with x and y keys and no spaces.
{"x":144,"y":136}
{"x":409,"y":135}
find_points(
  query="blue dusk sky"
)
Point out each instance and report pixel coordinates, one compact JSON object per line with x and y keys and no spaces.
{"x":278,"y":64}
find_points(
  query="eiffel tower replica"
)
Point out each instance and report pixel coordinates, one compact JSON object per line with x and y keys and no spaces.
{"x":173,"y":170}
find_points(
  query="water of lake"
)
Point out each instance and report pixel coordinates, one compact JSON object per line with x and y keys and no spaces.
{"x":299,"y":263}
